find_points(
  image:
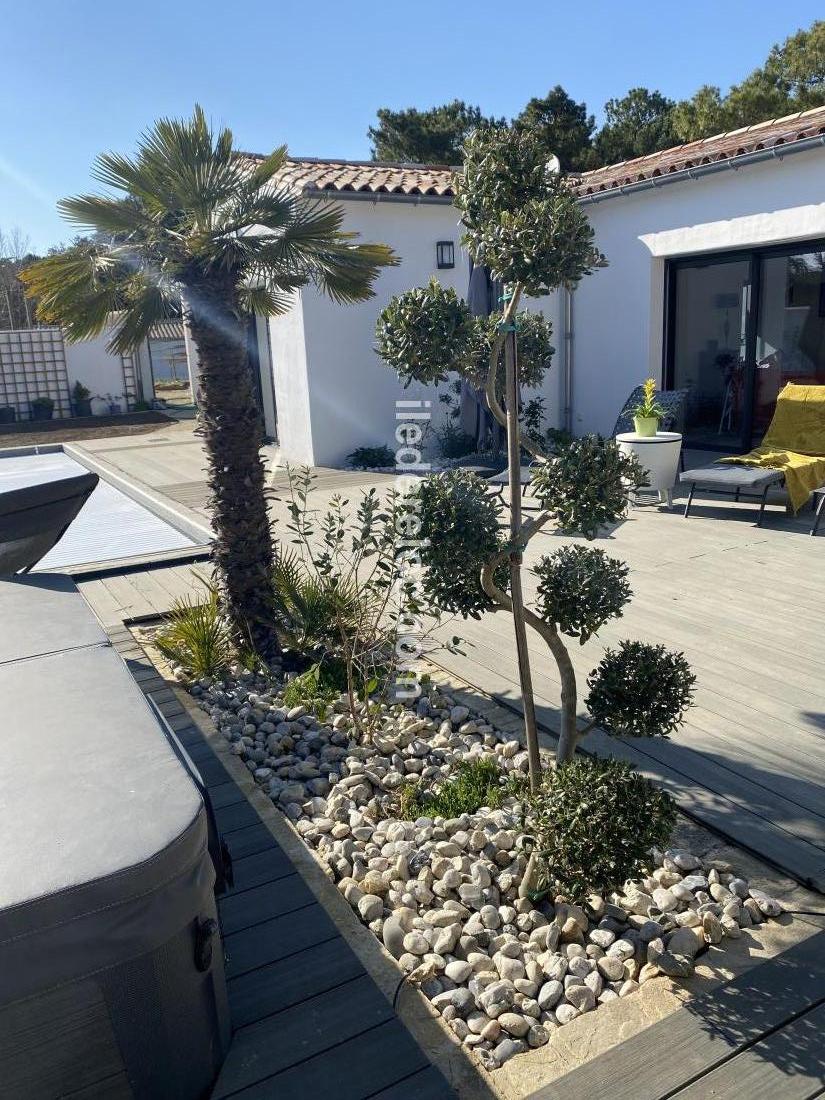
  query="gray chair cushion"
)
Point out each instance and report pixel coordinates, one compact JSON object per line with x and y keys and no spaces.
{"x":724,"y":475}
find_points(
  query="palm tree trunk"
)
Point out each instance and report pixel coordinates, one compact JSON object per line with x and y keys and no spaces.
{"x":233,"y":434}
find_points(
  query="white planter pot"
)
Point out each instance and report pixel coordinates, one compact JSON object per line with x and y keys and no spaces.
{"x":658,"y":455}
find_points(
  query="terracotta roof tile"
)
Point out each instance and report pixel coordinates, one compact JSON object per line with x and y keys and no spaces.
{"x":722,"y":147}
{"x":311,"y":174}
{"x":314,"y":175}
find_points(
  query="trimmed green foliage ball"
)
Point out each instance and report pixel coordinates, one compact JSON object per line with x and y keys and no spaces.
{"x":460,"y":532}
{"x":640,"y":690}
{"x":425,"y":333}
{"x":521,"y":218}
{"x":586,"y":485}
{"x":594,"y":823}
{"x":580,"y":588}
{"x":533,"y":341}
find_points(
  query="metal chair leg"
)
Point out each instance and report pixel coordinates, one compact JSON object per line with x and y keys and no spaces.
{"x":690,"y":499}
{"x":818,"y":516}
{"x":762,"y":506}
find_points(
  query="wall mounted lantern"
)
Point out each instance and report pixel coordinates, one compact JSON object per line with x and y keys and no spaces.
{"x":445,"y":254}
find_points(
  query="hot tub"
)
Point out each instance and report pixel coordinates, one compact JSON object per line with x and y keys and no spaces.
{"x":111,"y":967}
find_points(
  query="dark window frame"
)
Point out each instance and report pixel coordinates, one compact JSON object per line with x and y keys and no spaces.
{"x":755,"y":254}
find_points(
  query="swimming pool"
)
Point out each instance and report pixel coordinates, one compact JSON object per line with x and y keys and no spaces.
{"x":110,"y":525}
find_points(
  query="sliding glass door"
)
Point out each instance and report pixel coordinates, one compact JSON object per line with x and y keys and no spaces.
{"x":790,"y":330}
{"x":739,"y":326}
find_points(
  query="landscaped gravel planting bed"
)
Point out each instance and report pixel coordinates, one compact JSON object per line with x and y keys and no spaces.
{"x":444,"y":894}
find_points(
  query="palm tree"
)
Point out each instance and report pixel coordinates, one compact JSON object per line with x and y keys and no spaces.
{"x":202,"y":230}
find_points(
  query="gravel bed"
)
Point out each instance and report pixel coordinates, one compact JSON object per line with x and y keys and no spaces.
{"x":444,"y":895}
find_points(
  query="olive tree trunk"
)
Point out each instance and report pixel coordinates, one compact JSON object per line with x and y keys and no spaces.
{"x":514,"y":477}
{"x":233,"y":434}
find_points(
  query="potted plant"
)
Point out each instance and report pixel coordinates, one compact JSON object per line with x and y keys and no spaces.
{"x":648,"y":412}
{"x":81,"y":400}
{"x":8,"y":414}
{"x":42,"y":408}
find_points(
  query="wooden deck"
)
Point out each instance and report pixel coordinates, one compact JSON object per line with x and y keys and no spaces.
{"x":759,"y":1036}
{"x":745,"y":604}
{"x":307,"y":1018}
{"x":747,"y":607}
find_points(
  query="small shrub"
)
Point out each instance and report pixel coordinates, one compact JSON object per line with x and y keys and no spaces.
{"x":453,"y":442}
{"x":594,"y":823}
{"x":580,"y":588}
{"x":367,"y":458}
{"x":197,"y":637}
{"x":640,"y":690}
{"x":310,"y":610}
{"x":586,"y":486}
{"x":459,"y":533}
{"x":317,"y":688}
{"x":476,"y":783}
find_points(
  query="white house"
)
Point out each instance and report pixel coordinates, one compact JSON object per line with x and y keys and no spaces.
{"x":715,"y":284}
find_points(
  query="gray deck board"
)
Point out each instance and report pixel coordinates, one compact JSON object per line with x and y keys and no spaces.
{"x":382,"y":1057}
{"x":272,"y":1045}
{"x":786,"y":1065}
{"x":713,"y":1031}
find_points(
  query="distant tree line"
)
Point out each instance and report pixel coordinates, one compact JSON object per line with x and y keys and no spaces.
{"x":640,"y":122}
{"x":16,"y":310}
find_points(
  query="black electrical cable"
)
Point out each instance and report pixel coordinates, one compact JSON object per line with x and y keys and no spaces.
{"x":397,"y":991}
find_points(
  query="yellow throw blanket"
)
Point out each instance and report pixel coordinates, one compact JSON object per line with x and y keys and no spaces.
{"x":795,"y":442}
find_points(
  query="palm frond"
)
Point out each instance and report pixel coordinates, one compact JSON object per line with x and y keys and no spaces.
{"x":106,"y":215}
{"x":267,"y":168}
{"x":78,"y":289}
{"x":146,"y":304}
{"x":263,"y":300}
{"x":346,"y":272}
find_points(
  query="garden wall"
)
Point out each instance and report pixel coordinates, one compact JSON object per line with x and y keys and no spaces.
{"x":38,"y":362}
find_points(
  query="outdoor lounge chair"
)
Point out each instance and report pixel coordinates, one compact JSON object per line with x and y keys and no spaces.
{"x":34,"y":519}
{"x":501,"y":481}
{"x":792,"y":454}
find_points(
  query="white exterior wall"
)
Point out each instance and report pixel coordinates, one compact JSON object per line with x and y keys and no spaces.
{"x":89,"y":363}
{"x":333,"y":393}
{"x":618,"y":312}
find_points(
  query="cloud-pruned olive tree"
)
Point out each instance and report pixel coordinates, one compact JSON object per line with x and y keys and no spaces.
{"x":522,"y":221}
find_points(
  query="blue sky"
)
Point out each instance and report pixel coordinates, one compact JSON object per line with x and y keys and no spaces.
{"x":79,"y":77}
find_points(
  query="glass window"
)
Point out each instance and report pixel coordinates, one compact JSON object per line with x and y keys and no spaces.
{"x":790,"y":328}
{"x":709,"y":348}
